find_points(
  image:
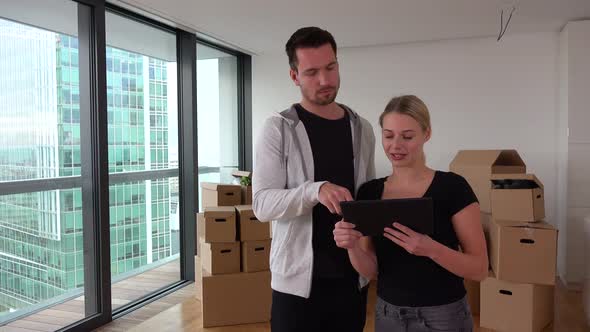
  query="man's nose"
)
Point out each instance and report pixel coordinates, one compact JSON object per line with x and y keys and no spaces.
{"x":323,"y":77}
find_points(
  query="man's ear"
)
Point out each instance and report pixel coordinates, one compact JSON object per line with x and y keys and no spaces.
{"x":293,"y":75}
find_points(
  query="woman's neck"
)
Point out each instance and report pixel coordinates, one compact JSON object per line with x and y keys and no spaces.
{"x":407,"y":175}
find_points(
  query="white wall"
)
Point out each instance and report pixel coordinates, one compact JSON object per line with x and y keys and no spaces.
{"x":562,"y":155}
{"x":575,"y":47}
{"x":481,"y":93}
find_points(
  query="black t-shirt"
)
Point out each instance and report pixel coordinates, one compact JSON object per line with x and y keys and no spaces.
{"x":408,"y":280}
{"x":331,"y":145}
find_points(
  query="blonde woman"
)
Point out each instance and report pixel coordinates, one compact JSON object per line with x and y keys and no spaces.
{"x":419,"y":278}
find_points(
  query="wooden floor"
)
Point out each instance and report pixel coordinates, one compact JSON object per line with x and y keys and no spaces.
{"x":186,"y":316}
{"x":124,"y":291}
{"x":180,"y":311}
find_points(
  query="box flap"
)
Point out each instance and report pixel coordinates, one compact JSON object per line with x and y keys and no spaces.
{"x":219,"y":186}
{"x":516,"y":176}
{"x":509,"y":158}
{"x":486,"y":158}
{"x":239,"y":174}
{"x":475,"y":158}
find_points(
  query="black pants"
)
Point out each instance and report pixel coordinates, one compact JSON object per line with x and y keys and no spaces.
{"x":334,"y":305}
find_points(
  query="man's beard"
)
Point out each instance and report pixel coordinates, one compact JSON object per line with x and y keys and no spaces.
{"x":322,"y":99}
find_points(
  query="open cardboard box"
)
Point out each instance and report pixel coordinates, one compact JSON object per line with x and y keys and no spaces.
{"x":517,"y":203}
{"x":477,"y":166}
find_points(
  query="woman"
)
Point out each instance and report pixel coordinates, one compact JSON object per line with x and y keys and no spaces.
{"x":420,"y":279}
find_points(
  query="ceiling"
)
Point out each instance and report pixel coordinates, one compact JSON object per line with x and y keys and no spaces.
{"x":263,"y":26}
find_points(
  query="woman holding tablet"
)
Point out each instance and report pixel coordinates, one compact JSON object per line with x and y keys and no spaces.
{"x":420,"y":278}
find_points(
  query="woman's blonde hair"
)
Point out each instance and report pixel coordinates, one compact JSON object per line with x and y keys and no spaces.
{"x":409,"y":105}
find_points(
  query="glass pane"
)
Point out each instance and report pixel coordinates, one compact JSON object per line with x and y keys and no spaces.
{"x":145,"y":237}
{"x":41,"y":257}
{"x":39,"y":98}
{"x":41,"y":233}
{"x":142,"y":136}
{"x":217,"y":99}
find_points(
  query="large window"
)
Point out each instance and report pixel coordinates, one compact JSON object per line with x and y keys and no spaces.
{"x":217,"y":102}
{"x":142,"y":138}
{"x":41,"y":231}
{"x":98,"y":158}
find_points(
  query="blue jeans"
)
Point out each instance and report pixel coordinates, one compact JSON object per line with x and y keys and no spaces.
{"x":452,"y":317}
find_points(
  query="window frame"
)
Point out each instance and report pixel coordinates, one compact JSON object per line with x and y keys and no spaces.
{"x":94,"y":178}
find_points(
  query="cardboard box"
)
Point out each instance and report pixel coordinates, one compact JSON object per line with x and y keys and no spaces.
{"x":472,"y":288}
{"x":246,"y":189}
{"x":215,"y":194}
{"x":246,"y":195}
{"x":255,"y":255}
{"x":507,"y":306}
{"x":517,"y":204}
{"x":476,"y":166}
{"x":523,"y":252}
{"x":231,"y":299}
{"x":219,"y":224}
{"x":249,"y":227}
{"x":199,"y":231}
{"x":486,"y":221}
{"x":220,"y":258}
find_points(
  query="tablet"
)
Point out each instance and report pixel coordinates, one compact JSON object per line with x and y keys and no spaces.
{"x":372,"y":216}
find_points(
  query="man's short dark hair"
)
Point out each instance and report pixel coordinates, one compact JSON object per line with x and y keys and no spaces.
{"x":308,"y":37}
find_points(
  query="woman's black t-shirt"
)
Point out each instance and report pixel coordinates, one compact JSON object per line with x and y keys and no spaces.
{"x":408,"y":280}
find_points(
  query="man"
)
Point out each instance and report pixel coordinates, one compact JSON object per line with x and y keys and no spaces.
{"x":309,"y":158}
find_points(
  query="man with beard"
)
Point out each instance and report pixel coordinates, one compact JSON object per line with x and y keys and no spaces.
{"x":309,"y":158}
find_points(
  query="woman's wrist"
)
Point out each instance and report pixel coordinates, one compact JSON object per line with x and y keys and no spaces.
{"x":356,"y":249}
{"x":436,"y":250}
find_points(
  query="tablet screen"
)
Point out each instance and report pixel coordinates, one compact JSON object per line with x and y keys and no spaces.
{"x":372,"y":216}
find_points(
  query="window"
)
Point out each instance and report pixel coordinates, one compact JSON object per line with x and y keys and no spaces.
{"x":39,"y":140}
{"x":50,"y":117}
{"x":217,"y":84}
{"x":138,"y":202}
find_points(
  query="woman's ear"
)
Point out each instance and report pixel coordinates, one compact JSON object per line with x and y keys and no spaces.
{"x":428,"y":134}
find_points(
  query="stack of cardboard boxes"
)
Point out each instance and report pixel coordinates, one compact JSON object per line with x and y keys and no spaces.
{"x":233,"y":281}
{"x":522,"y":248}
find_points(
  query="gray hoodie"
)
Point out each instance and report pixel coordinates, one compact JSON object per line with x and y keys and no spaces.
{"x":285,"y":193}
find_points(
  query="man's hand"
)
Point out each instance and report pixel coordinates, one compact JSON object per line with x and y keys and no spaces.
{"x":331,"y":195}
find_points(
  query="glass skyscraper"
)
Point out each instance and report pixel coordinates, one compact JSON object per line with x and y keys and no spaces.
{"x":41,"y":245}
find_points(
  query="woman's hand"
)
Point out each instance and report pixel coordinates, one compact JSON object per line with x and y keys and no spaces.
{"x":415,"y":243}
{"x":345,"y":235}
